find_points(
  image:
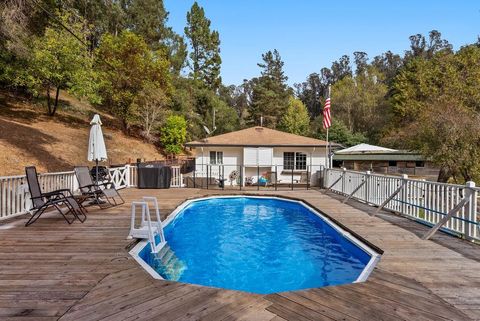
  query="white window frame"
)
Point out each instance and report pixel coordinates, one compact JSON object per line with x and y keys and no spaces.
{"x":295,"y":164}
{"x":217,"y":159}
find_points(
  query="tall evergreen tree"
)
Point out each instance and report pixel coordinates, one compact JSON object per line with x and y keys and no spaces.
{"x":270,"y":92}
{"x":148,"y":18}
{"x":205,"y":56}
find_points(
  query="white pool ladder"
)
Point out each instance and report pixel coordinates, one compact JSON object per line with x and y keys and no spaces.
{"x":148,"y":229}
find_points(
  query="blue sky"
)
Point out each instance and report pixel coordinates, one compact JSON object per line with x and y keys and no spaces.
{"x":311,"y":34}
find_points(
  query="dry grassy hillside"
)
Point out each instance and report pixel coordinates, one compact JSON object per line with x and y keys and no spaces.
{"x":29,"y":137}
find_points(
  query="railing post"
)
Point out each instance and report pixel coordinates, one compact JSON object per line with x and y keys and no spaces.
{"x":276,"y":177}
{"x":194,"y":177}
{"x":471,"y":216}
{"x":404,"y":194}
{"x":343,"y":179}
{"x":324,"y":178}
{"x":367,"y":187}
{"x":127,"y":175}
{"x":240,"y":167}
{"x":223,"y":176}
{"x":292,"y":178}
{"x":308,"y":177}
{"x":258,"y":178}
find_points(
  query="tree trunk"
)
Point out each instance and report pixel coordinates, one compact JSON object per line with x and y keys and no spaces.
{"x":49,"y":104}
{"x":56,"y":102}
{"x":125,"y":126}
{"x":443,"y":175}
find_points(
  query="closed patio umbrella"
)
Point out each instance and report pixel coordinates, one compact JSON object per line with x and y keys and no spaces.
{"x":96,"y":145}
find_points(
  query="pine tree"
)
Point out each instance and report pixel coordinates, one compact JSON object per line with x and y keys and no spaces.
{"x":270,"y":92}
{"x":205,"y":55}
{"x":148,"y":18}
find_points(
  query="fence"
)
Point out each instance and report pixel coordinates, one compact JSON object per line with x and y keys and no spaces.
{"x":15,"y":196}
{"x":221,"y":176}
{"x":427,"y":202}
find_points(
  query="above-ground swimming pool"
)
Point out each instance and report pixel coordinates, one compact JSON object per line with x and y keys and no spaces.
{"x":256,"y":244}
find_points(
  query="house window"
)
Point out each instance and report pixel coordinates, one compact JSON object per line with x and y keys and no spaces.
{"x":300,"y":161}
{"x":419,"y":164}
{"x":216,"y":158}
{"x":392,"y":163}
{"x":288,"y":160}
{"x":295,"y":160}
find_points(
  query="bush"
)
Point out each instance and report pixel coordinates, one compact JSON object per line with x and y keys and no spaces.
{"x":174,"y":134}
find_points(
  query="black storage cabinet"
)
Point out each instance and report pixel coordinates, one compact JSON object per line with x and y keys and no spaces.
{"x":153,"y":176}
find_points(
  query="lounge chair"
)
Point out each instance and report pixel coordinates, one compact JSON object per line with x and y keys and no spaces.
{"x":95,"y":191}
{"x":42,"y":201}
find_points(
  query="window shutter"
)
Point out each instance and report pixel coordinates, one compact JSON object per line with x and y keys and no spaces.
{"x":264,"y":156}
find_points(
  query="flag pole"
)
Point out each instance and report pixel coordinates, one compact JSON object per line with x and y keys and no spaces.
{"x":328,"y":143}
{"x":327,"y":151}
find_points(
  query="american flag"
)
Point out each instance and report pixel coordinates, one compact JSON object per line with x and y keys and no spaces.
{"x":327,"y":117}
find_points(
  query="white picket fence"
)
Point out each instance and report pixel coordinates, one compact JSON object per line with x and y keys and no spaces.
{"x":15,"y":196}
{"x":427,"y":202}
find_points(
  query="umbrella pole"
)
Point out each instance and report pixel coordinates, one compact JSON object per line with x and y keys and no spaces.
{"x":96,"y":172}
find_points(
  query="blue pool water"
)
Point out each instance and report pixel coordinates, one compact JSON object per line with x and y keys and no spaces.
{"x":259,"y":245}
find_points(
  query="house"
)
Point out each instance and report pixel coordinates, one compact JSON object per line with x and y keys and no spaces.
{"x":259,"y":155}
{"x":383,"y":160}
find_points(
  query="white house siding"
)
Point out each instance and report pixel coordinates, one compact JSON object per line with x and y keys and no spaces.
{"x":315,"y":159}
{"x":234,"y":157}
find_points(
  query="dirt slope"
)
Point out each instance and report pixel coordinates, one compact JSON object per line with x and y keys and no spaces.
{"x":29,"y":137}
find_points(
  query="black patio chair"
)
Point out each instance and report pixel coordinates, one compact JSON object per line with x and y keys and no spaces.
{"x":96,"y":191}
{"x":42,"y":201}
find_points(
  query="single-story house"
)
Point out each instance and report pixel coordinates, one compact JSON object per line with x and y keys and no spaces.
{"x":364,"y":157}
{"x":259,"y":155}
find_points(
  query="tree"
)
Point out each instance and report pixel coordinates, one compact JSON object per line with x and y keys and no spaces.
{"x":309,"y":92}
{"x":361,"y":61}
{"x":174,"y":134}
{"x":148,"y":18}
{"x":338,"y":133}
{"x":296,"y":119}
{"x":151,"y":104}
{"x":359,"y":102}
{"x":388,"y":64}
{"x":435,"y":103}
{"x":127,"y":67}
{"x":419,"y":47}
{"x":205,"y":56}
{"x":61,"y":61}
{"x":270,"y":92}
{"x":341,"y":69}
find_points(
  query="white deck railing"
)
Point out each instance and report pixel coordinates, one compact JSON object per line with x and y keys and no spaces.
{"x":425,"y":201}
{"x":15,"y":196}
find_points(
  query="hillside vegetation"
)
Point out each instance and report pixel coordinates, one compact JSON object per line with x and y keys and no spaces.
{"x":29,"y":137}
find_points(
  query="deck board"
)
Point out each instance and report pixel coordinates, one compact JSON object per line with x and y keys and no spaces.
{"x":52,"y":271}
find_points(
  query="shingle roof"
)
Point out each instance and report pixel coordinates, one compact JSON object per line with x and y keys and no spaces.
{"x":259,"y":136}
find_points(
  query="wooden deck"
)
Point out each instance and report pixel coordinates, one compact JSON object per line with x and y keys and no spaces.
{"x":52,"y":271}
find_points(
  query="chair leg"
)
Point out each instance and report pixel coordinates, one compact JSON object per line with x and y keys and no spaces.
{"x":81,"y":213}
{"x":35,"y":216}
{"x":70,"y":210}
{"x":123,"y":201}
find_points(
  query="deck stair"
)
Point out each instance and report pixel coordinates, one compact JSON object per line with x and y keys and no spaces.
{"x":148,"y":229}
